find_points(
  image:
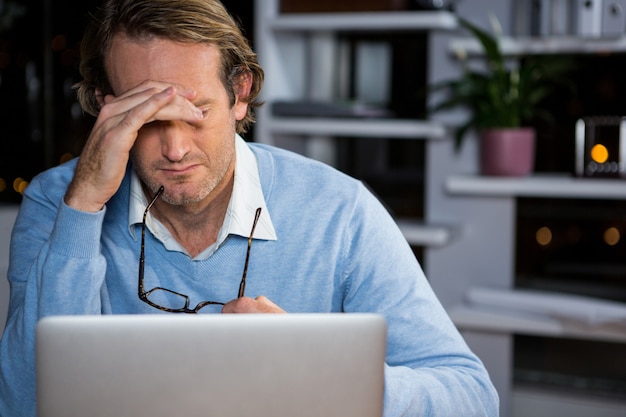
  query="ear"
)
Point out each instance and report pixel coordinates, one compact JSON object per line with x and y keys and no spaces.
{"x":242,"y":92}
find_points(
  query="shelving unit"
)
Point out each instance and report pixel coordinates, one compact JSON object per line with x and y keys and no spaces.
{"x":290,"y":45}
{"x":468,"y":231}
{"x":299,"y":32}
{"x":483,"y":254}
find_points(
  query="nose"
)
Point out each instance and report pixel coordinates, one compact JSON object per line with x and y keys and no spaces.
{"x":175,"y":141}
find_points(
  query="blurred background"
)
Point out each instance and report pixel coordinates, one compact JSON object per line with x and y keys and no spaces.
{"x":41,"y":123}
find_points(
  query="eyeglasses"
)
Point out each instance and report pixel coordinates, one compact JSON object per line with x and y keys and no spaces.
{"x":172,"y":301}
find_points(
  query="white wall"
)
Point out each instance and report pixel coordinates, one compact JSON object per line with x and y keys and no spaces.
{"x":7,"y":218}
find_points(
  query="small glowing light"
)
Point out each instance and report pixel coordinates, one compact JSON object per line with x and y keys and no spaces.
{"x":3,"y":185}
{"x":19,"y":185}
{"x":599,"y":153}
{"x":611,"y":236}
{"x":16,"y":183}
{"x":543,"y":236}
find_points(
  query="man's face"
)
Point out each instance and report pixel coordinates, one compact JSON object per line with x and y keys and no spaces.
{"x":190,"y":160}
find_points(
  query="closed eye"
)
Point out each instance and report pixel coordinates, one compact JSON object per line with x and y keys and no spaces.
{"x":205,"y":111}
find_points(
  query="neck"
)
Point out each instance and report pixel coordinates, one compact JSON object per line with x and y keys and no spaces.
{"x":196,"y":226}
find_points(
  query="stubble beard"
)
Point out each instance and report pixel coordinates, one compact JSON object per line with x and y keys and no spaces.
{"x":184,"y":192}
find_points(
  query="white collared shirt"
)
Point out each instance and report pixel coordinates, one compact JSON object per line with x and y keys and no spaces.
{"x":246,"y":197}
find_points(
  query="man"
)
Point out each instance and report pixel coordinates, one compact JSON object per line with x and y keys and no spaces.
{"x":166,"y":182}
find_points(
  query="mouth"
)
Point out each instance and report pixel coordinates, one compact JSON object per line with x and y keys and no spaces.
{"x":179,"y":170}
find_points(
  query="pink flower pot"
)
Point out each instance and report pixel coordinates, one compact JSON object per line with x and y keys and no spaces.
{"x":507,"y":152}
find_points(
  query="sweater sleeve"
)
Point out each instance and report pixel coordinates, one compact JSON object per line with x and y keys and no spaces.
{"x":430,"y":371}
{"x":56,"y":268}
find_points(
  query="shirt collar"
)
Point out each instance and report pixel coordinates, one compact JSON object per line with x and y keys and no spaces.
{"x":246,"y":197}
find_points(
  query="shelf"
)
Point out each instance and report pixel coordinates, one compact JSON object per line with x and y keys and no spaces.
{"x":419,"y":234}
{"x":548,"y":186}
{"x":534,"y":312}
{"x":381,"y":128}
{"x":544,"y":46}
{"x":363,"y":21}
{"x":472,"y":319}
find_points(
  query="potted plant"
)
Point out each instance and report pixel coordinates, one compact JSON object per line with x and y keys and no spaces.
{"x":502,"y":101}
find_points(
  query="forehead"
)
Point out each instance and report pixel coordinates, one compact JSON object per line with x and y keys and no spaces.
{"x":131,"y":61}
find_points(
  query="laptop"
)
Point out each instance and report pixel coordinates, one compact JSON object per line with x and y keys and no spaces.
{"x":291,"y":365}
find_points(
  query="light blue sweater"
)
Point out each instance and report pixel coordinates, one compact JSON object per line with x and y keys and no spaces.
{"x":338,"y":250}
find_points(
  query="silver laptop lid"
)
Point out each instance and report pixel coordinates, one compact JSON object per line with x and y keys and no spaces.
{"x":320,"y":365}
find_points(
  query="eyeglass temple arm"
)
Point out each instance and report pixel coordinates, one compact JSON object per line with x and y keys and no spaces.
{"x":242,"y":284}
{"x":140,"y":288}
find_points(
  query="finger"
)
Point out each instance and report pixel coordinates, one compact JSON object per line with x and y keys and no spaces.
{"x":175,"y":107}
{"x":143,"y":91}
{"x":259,"y":304}
{"x":265,"y":305}
{"x":178,"y":108}
{"x":157,"y":86}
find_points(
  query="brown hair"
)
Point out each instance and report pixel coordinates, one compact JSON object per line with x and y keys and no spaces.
{"x":191,"y":21}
